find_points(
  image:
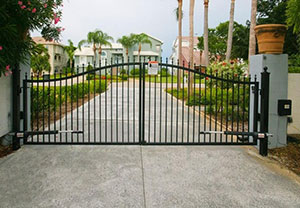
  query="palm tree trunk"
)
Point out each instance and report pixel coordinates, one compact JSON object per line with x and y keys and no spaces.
{"x":191,"y":45}
{"x":230,"y":31}
{"x":179,"y":43}
{"x":206,"y":2}
{"x":252,"y":40}
{"x":71,"y":63}
{"x":139,"y":52}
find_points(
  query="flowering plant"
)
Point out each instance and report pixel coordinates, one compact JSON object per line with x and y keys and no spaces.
{"x":234,"y":69}
{"x":17,"y":19}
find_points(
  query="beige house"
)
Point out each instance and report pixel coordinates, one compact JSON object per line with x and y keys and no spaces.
{"x":58,"y":57}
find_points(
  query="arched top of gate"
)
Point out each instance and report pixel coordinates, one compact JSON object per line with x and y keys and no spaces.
{"x":238,"y":80}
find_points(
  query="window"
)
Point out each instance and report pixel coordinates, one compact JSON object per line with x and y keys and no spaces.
{"x":103,"y":53}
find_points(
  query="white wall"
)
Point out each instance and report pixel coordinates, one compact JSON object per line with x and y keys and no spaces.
{"x":5,"y":105}
{"x":294,"y":95}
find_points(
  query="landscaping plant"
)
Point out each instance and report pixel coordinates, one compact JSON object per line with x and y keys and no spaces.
{"x":17,"y":19}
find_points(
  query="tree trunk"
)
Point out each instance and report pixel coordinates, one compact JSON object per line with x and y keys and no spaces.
{"x":71,"y":63}
{"x":252,"y":40}
{"x":206,"y":2}
{"x":100,"y":53}
{"x":230,"y":31}
{"x":139,"y":52}
{"x":179,"y":43}
{"x":191,"y":46}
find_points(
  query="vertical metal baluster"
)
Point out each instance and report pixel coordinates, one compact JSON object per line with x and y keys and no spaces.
{"x":172,"y":88}
{"x":111,"y":102}
{"x":216,"y":108}
{"x":117,"y":102}
{"x":244,"y":100}
{"x":60,"y":105}
{"x":83,"y":90}
{"x":238,"y":106}
{"x":94,"y":82}
{"x":210,"y":104}
{"x":105,"y":111}
{"x":166,"y":110}
{"x":143,"y":107}
{"x":43,"y":108}
{"x":55,"y":106}
{"x":66,"y":104}
{"x":100,"y":104}
{"x":133,"y":95}
{"x":199,"y":114}
{"x":222,"y":107}
{"x":249,"y":101}
{"x":177,"y":100}
{"x":194,"y":94}
{"x":49,"y":111}
{"x":77,"y":104}
{"x":205,"y":102}
{"x":155,"y":76}
{"x":160,"y":105}
{"x":89,"y":104}
{"x":128,"y":101}
{"x":72,"y":100}
{"x":149,"y":124}
{"x":122,"y":70}
{"x":25,"y":105}
{"x":188,"y":97}
{"x":227,"y":103}
{"x":31,"y":106}
{"x":232,"y":106}
{"x":182,"y":122}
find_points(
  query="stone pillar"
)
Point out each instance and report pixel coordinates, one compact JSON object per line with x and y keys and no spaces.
{"x":278,"y":69}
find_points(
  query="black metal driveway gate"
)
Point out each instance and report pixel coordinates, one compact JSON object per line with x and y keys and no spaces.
{"x":123,"y":103}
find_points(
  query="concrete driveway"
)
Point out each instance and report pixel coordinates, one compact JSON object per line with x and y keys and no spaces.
{"x":133,"y":176}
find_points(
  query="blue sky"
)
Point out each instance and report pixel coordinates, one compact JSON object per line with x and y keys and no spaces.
{"x":155,"y":17}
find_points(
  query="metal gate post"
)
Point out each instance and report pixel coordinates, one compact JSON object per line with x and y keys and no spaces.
{"x":25,"y":106}
{"x":16,"y":106}
{"x":264,"y":116}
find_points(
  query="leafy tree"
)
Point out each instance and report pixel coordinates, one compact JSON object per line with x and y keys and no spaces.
{"x":97,"y":39}
{"x":103,"y":40}
{"x":141,"y":39}
{"x":70,"y":50}
{"x":218,"y":41}
{"x":293,"y":15}
{"x":40,"y":60}
{"x":274,"y":12}
{"x":127,"y":42}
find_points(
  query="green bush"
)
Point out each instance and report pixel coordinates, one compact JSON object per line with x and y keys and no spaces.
{"x":135,"y":72}
{"x":164,"y":72}
{"x":215,"y":100}
{"x":51,"y":97}
{"x":68,"y":70}
{"x":294,"y":64}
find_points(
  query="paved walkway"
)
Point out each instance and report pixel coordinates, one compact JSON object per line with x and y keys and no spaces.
{"x":133,"y":176}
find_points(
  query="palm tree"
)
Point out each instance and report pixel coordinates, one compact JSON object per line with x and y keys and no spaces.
{"x":252,"y":40}
{"x":206,"y":2}
{"x":179,"y":15}
{"x":70,"y":50}
{"x":92,"y":38}
{"x":140,"y":39}
{"x":191,"y":42}
{"x":230,"y":31}
{"x":127,"y":42}
{"x":103,"y":40}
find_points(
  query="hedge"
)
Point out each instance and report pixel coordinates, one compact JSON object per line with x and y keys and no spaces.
{"x":54,"y":96}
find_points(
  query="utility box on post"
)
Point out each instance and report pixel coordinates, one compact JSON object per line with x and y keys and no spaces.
{"x":278,"y":69}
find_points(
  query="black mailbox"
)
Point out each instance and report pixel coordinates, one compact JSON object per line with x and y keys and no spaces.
{"x":284,"y":107}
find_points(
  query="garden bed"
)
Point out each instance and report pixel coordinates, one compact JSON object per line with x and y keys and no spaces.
{"x":5,"y":150}
{"x":288,"y":156}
